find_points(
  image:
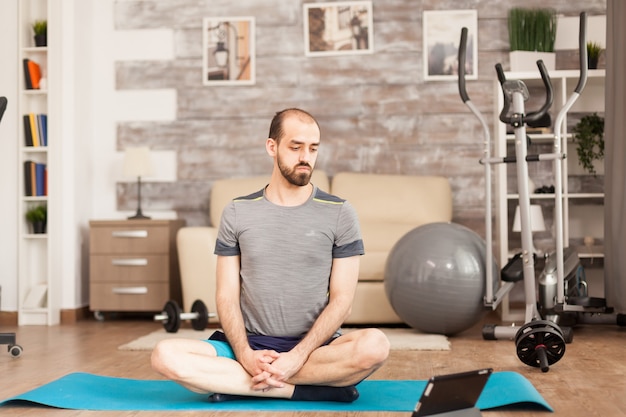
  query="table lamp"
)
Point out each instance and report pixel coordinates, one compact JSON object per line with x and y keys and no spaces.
{"x":537,"y":223}
{"x":137,"y":163}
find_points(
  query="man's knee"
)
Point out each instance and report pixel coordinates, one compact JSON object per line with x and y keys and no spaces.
{"x":178,"y":358}
{"x":372,"y":348}
{"x":161,"y":356}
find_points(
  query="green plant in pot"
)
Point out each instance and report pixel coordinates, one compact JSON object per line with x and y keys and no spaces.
{"x":40,"y":28}
{"x":594,"y":50}
{"x":532,"y":31}
{"x":37,"y":217}
{"x":589,"y":140}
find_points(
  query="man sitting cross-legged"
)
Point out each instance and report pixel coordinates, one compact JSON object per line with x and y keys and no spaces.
{"x":287,"y":268}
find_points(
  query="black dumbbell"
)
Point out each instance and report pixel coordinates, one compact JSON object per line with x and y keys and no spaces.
{"x":172,"y":316}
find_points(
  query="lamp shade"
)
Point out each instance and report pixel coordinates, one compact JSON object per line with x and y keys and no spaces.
{"x":137,"y":162}
{"x":537,"y":223}
{"x":221,"y":55}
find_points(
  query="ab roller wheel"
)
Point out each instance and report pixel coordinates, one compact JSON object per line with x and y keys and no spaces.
{"x":172,"y":316}
{"x":540,"y":343}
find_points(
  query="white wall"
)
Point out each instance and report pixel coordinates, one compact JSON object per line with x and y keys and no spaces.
{"x":567,"y":30}
{"x":90,"y":162}
{"x":8,"y":157}
{"x":103,"y":105}
{"x":110,"y":106}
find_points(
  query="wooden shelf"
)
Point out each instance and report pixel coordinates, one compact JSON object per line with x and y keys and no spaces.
{"x":551,"y":196}
{"x":35,"y":251}
{"x":595,"y":251}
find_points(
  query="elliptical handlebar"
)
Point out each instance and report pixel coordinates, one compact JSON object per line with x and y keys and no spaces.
{"x":500,"y":73}
{"x":489,"y":276}
{"x":582,"y":49}
{"x":507,"y":99}
{"x":531,"y":116}
{"x":558,"y":143}
{"x":534,"y":116}
{"x":461,"y":58}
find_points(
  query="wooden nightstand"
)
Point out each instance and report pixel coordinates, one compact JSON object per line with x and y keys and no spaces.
{"x":133,"y":265}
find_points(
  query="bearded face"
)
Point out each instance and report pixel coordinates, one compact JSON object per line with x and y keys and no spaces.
{"x":299,"y":174}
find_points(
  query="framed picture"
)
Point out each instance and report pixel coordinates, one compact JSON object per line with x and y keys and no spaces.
{"x":339,"y":28}
{"x":442,"y":34}
{"x":228,"y":51}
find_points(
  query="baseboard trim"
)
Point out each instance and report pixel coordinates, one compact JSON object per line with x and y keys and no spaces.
{"x":8,"y":318}
{"x":68,"y":316}
{"x":71,"y":316}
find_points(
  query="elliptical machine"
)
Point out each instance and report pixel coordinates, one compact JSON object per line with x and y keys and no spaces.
{"x":539,"y":342}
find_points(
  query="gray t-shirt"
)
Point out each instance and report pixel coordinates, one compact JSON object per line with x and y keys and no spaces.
{"x":286,"y":257}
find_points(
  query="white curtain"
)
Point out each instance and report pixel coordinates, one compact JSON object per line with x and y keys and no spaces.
{"x":615,"y":158}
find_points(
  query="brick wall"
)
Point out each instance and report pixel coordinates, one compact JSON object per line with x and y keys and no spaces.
{"x":376,"y":112}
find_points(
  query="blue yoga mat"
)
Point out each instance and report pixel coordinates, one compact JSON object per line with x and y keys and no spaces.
{"x":81,"y":391}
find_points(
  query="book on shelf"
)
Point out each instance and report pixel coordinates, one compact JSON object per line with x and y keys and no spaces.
{"x":27,"y":82}
{"x":40,"y":179}
{"x":42,"y":125}
{"x":32,"y":74}
{"x":28,"y":135}
{"x":35,"y":129}
{"x":35,"y":179}
{"x":28,"y":178}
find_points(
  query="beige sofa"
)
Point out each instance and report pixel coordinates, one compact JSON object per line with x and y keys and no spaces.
{"x":388,"y":207}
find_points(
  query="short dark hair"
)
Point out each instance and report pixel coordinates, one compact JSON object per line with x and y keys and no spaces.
{"x":276,"y":127}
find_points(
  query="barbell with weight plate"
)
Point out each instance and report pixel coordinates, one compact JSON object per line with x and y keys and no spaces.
{"x":540,"y":343}
{"x":172,"y":316}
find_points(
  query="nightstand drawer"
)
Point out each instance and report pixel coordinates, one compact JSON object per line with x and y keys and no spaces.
{"x":133,"y":265}
{"x":130,"y":239}
{"x":128,"y":297}
{"x":124,"y":268}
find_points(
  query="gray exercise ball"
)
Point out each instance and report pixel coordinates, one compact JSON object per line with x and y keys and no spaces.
{"x":435,"y":278}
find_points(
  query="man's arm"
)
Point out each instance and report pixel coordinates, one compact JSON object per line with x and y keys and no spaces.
{"x":231,"y":319}
{"x":227,"y":299}
{"x":343,"y":281}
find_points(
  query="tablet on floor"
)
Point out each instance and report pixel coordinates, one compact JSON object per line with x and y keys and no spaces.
{"x":453,"y":395}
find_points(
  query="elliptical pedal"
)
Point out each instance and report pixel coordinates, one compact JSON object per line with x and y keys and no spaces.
{"x":513,"y":271}
{"x":593,"y":302}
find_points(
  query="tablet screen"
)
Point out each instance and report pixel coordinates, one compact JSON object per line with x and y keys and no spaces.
{"x":451,"y":392}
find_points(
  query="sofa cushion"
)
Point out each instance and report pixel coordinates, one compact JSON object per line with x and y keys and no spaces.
{"x":371,"y":305}
{"x":378,"y":239}
{"x":388,"y":207}
{"x":225,"y":190}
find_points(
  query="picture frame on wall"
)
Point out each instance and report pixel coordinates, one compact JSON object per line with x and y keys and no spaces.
{"x":338,"y":28}
{"x":228,"y":55}
{"x":441,"y":37}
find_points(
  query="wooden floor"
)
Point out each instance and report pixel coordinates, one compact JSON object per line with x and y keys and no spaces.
{"x":590,"y":380}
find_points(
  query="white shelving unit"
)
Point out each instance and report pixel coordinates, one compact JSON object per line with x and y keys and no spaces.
{"x":575,"y":196}
{"x":37,"y":302}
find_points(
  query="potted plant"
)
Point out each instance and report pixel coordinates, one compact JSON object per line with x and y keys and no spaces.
{"x":40,"y":28}
{"x":37,"y":217}
{"x":589,"y":140}
{"x":594,"y":50}
{"x":532,"y":33}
